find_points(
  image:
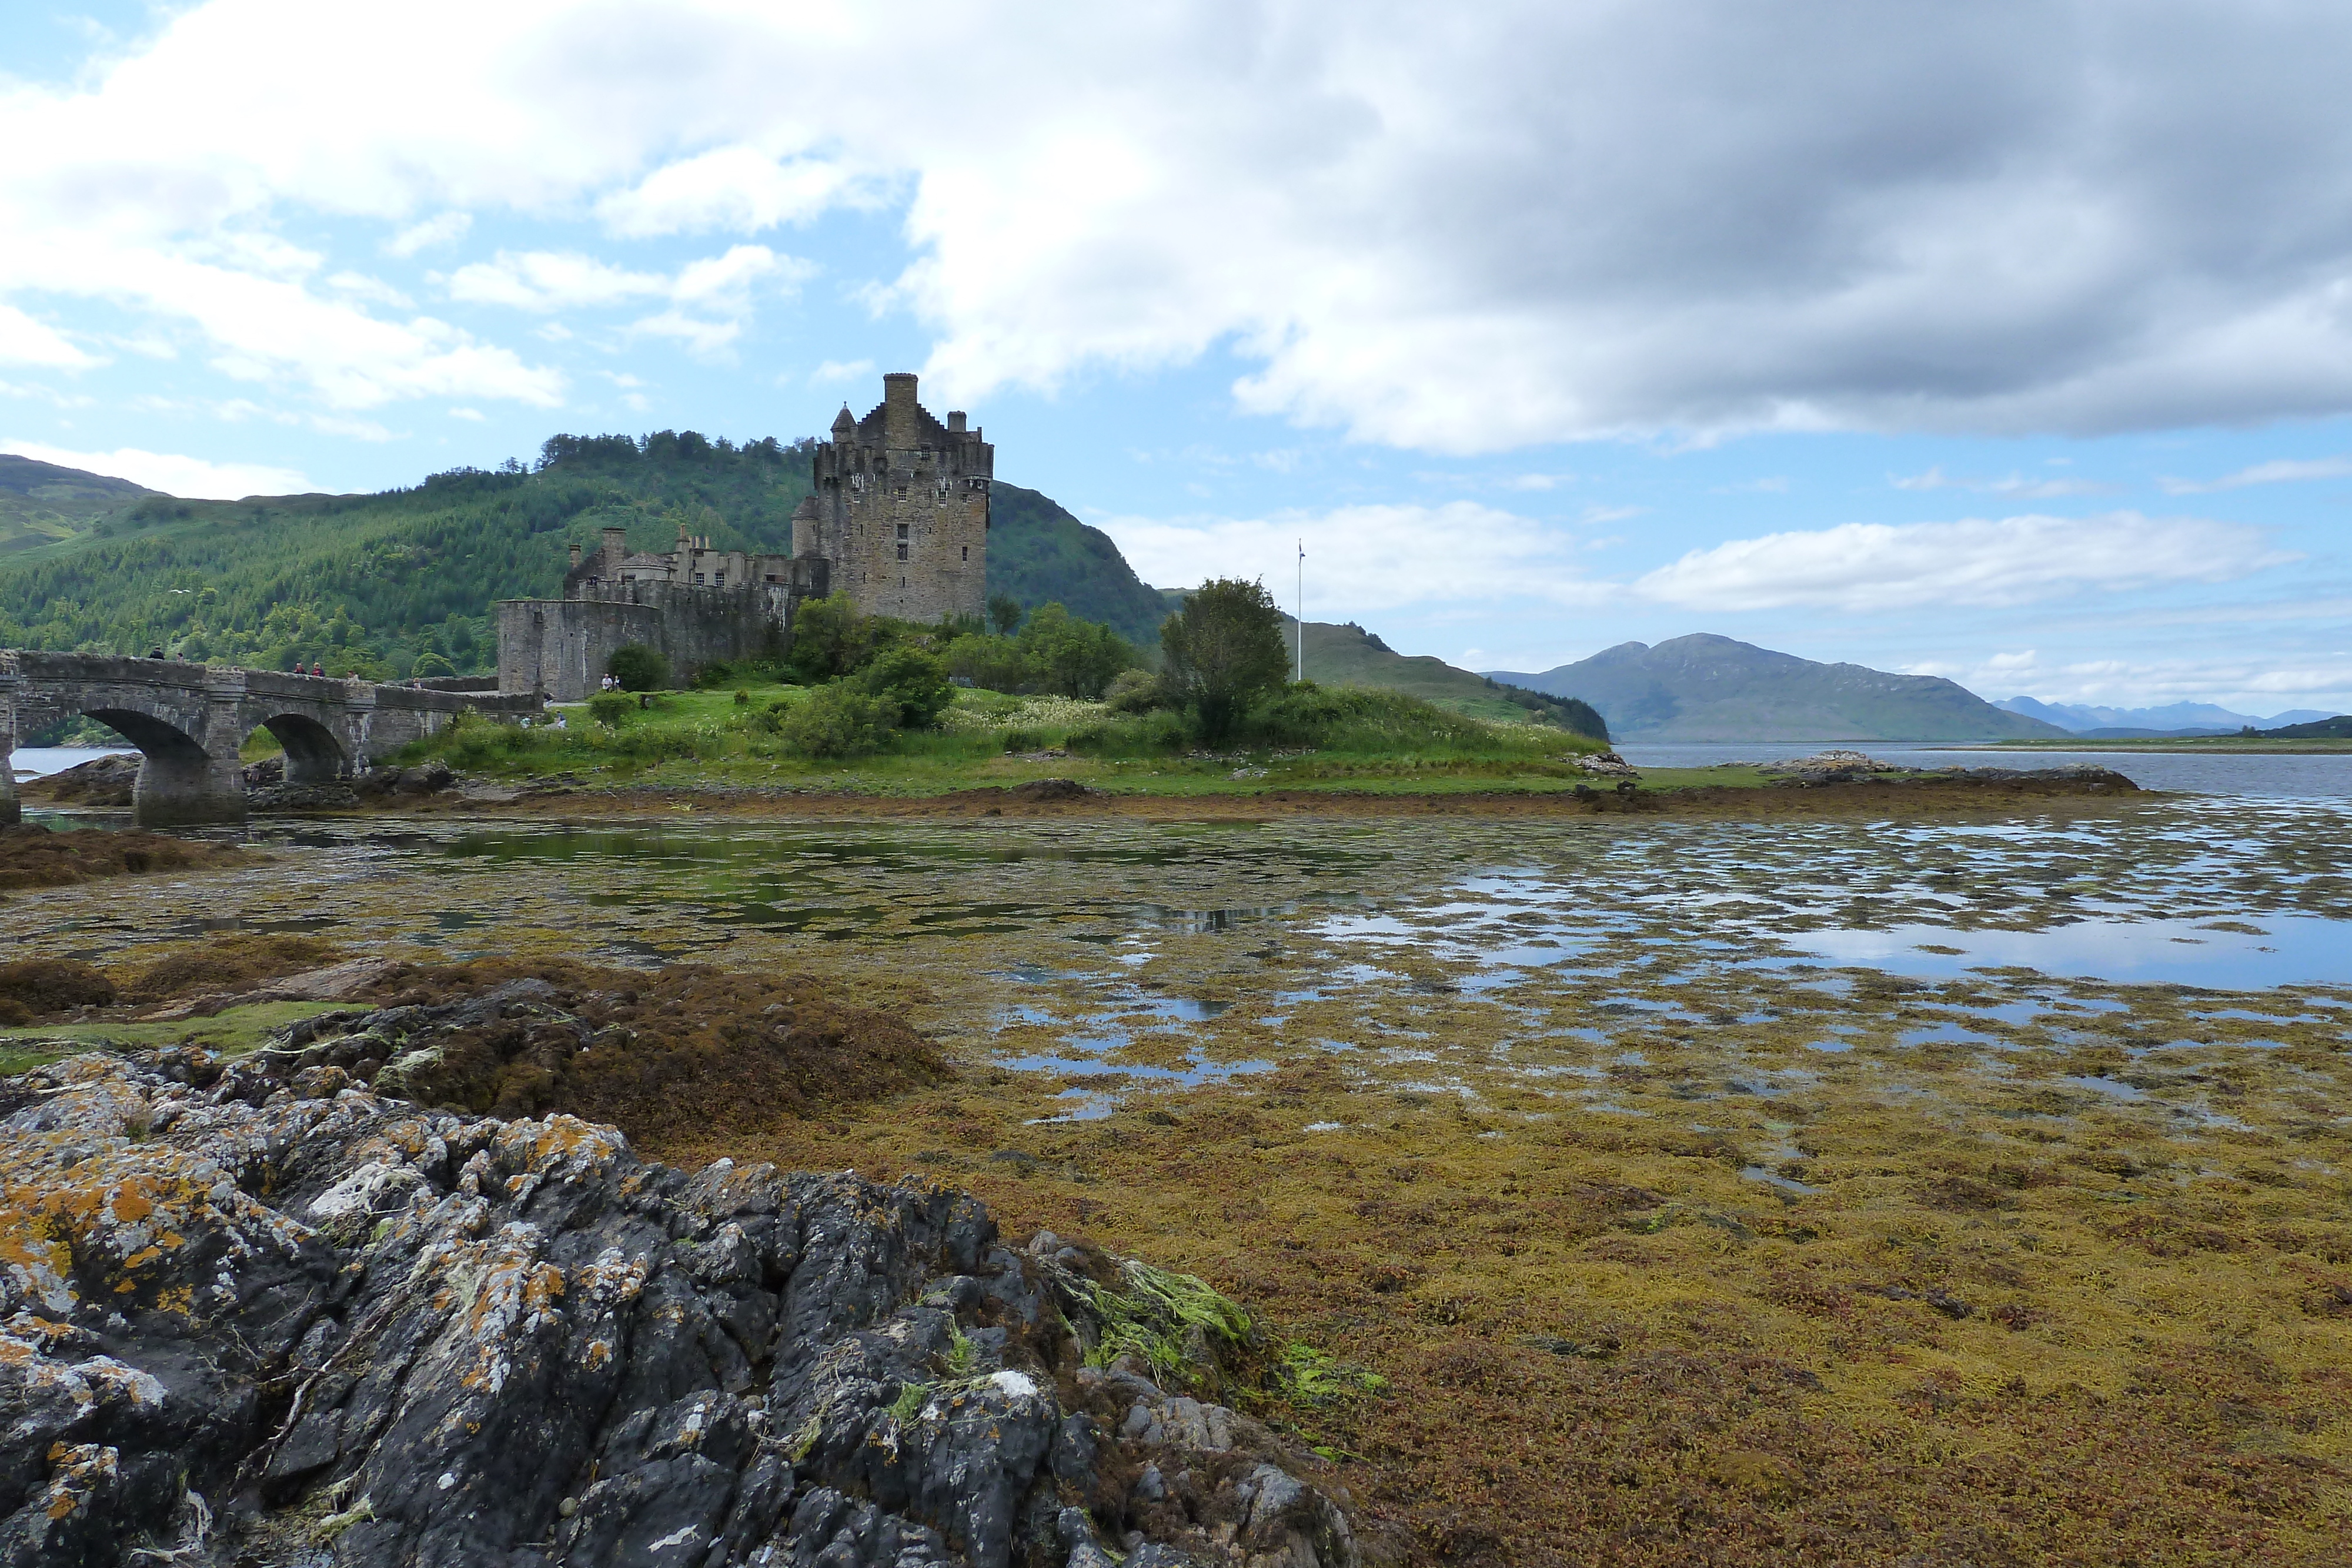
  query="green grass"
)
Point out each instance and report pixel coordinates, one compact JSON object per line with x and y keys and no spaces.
{"x":232,"y":1033}
{"x":1361,"y":741}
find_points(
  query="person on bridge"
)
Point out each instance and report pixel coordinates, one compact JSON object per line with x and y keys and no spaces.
{"x":318,"y":669}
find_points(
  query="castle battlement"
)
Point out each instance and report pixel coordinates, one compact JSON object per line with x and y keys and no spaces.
{"x":900,"y":509}
{"x":898,"y":519}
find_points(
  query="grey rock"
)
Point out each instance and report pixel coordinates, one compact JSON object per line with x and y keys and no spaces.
{"x":392,"y":1336}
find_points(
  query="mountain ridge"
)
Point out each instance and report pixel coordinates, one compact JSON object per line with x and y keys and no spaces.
{"x":1706,"y":688}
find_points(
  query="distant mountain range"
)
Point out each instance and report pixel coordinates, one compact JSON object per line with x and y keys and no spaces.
{"x":2173,"y":718}
{"x":1705,"y":688}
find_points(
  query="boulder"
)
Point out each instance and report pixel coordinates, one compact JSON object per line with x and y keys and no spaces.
{"x":282,"y":1319}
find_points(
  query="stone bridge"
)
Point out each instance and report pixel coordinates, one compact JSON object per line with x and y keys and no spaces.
{"x":188,"y":721}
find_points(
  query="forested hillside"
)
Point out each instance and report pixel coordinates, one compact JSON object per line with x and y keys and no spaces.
{"x":371,"y":584}
{"x":1037,"y":552}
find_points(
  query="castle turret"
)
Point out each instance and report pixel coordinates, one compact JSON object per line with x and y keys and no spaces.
{"x":808,"y":530}
{"x":901,"y":508}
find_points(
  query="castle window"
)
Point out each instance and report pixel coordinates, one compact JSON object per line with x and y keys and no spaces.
{"x":967,"y":552}
{"x":699,"y":578}
{"x":902,"y":550}
{"x":902,"y":530}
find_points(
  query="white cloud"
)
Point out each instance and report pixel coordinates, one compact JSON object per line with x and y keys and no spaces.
{"x":1458,"y":231}
{"x":1365,"y":557}
{"x":2283,"y":471}
{"x":707,"y":340}
{"x":2252,"y":686}
{"x":25,"y":341}
{"x":734,"y":188}
{"x":1866,"y":567}
{"x":842,"y":371}
{"x":475,"y":414}
{"x":360,"y":286}
{"x":547,"y":280}
{"x":720,"y":286}
{"x":2016,"y":485}
{"x":445,"y":228}
{"x":192,"y":478}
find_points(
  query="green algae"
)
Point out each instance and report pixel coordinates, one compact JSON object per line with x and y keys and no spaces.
{"x":2066,"y":1261}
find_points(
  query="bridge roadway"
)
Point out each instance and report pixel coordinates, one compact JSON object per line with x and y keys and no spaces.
{"x":188,"y":721}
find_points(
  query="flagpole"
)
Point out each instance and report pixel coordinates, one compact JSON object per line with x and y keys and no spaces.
{"x":1301,"y":674}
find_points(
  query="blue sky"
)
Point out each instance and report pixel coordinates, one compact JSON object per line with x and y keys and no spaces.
{"x":2015,"y":347}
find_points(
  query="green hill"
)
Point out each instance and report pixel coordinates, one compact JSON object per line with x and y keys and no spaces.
{"x":1348,"y":655}
{"x":2336,"y":728}
{"x":368,"y":584}
{"x":42,"y":504}
{"x":1037,"y":552}
{"x":1706,"y":688}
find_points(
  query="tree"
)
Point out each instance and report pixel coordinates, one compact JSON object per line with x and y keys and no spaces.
{"x":1005,"y":612}
{"x":995,"y":663}
{"x":638,"y":668}
{"x":830,"y":638}
{"x":1223,"y":648}
{"x":915,"y":684}
{"x":1076,"y":658}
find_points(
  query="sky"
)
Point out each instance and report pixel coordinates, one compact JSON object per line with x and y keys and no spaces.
{"x":2010,"y":343}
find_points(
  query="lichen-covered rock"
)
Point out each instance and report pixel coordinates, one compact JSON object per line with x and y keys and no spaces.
{"x":275,"y":1321}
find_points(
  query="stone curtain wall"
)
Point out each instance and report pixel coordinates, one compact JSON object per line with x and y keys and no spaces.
{"x":561,"y":646}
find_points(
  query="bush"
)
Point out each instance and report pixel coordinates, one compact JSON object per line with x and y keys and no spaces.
{"x":838,"y":720}
{"x":915,"y":683}
{"x":831,"y":639}
{"x":1076,"y":658}
{"x":1134,"y":691}
{"x":431,"y":666}
{"x":609,"y":708}
{"x":996,"y":663}
{"x":1150,"y":735}
{"x":1023,"y":740}
{"x":638,"y":668}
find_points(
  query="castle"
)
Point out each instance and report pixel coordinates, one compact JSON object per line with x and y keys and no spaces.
{"x":897,"y":521}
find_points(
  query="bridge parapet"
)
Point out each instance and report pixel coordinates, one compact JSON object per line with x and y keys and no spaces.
{"x":189,"y":721}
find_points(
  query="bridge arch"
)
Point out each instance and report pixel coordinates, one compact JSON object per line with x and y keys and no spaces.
{"x":314,"y":753}
{"x":178,"y":779}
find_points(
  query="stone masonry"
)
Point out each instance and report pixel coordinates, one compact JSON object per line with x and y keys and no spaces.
{"x":899,"y":520}
{"x":188,"y":721}
{"x":900,"y":509}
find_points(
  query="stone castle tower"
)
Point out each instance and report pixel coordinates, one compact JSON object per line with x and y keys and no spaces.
{"x":900,"y":516}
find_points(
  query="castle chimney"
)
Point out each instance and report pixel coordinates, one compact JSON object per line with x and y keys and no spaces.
{"x":955,"y":423}
{"x":899,"y":425}
{"x":614,"y":549}
{"x":576,"y":554}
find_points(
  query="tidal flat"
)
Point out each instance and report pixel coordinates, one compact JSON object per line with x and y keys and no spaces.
{"x":1793,"y":1191}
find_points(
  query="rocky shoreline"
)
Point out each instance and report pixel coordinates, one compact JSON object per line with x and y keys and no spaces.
{"x":251,"y":1312}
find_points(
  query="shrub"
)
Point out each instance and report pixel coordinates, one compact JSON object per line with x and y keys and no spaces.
{"x":1077,"y":658}
{"x":995,"y":663}
{"x":1023,"y":740}
{"x":1134,"y":691}
{"x":838,"y":720}
{"x":638,"y":668}
{"x":431,"y":666}
{"x":915,"y":683}
{"x":609,"y":708}
{"x":831,"y":639}
{"x":743,"y":698}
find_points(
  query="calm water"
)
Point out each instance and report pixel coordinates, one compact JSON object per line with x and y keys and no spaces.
{"x":2254,"y":774}
{"x":38,"y":761}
